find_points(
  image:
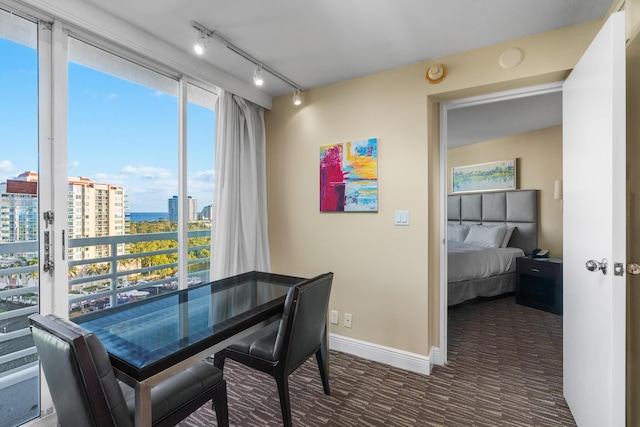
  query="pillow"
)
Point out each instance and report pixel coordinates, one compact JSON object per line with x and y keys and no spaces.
{"x":486,"y":236}
{"x":457,"y":232}
{"x":507,"y":237}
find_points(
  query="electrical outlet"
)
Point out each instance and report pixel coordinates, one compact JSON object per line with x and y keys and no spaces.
{"x":334,"y":317}
{"x":347,"y":320}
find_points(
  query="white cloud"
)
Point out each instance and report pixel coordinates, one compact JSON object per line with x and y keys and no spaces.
{"x":207,"y":175}
{"x":73,"y":165}
{"x":6,"y":166}
{"x":105,"y":178}
{"x":6,"y":170}
{"x":201,"y":187}
{"x":147,"y":172}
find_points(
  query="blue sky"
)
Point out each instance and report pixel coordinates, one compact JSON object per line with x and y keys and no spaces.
{"x":120,"y":133}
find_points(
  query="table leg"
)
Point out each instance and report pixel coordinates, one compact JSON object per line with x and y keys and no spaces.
{"x":143,"y":405}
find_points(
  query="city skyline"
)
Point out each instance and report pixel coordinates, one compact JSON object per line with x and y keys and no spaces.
{"x":29,"y":176}
{"x":120,"y":132}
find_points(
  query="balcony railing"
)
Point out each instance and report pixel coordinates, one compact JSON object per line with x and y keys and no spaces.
{"x":119,"y":285}
{"x":129,"y":276}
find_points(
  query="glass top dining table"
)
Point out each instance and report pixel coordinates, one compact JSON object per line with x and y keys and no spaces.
{"x":148,"y":337}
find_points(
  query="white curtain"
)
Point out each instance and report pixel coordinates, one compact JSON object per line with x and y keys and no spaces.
{"x":240,"y":241}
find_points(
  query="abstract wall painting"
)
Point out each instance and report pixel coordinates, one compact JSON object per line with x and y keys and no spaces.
{"x":349,"y":176}
{"x":484,"y":177}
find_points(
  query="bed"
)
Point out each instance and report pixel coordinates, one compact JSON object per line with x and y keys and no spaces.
{"x":486,"y":232}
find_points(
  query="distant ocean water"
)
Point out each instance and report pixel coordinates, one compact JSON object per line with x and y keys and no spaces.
{"x":148,"y":216}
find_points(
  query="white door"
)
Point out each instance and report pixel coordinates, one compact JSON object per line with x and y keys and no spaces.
{"x":595,"y":229}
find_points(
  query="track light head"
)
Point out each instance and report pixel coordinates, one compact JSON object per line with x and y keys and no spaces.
{"x":258,"y":80}
{"x":201,"y":43}
{"x":297,"y":98}
{"x":198,"y":48}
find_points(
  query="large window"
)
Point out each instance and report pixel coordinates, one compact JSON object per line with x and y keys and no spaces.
{"x":19,"y":388}
{"x":123,"y":179}
{"x":124,"y":175}
{"x":102,"y":136}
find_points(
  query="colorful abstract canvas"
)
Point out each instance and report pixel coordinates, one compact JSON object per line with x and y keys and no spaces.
{"x":349,"y":176}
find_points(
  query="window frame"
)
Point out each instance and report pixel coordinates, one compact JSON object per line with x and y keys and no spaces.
{"x":52,"y":46}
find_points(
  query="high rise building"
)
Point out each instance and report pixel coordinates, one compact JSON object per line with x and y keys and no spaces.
{"x":173,"y":209}
{"x":192,"y":213}
{"x":95,"y":210}
{"x":19,"y":209}
{"x":207,"y":212}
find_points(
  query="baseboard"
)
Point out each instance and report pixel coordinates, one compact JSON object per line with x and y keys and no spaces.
{"x":435,"y":357}
{"x":378,"y":353}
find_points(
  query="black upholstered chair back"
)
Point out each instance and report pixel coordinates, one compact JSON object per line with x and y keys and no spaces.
{"x":281,"y":347}
{"x":303,"y":324}
{"x":86,"y":392}
{"x":68,"y":358}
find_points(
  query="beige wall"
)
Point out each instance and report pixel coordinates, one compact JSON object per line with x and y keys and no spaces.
{"x":380,"y":270}
{"x":633,"y":255}
{"x":385,"y":276}
{"x":539,"y":165}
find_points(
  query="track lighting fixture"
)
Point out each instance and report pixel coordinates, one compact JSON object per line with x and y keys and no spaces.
{"x":258,"y":80}
{"x":297,"y":99}
{"x":202,"y":42}
{"x":206,"y":35}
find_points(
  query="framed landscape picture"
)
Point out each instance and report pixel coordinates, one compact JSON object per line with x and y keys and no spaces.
{"x":500,"y":175}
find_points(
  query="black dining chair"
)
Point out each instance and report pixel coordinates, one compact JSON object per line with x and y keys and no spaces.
{"x":85,"y":391}
{"x":281,"y":347}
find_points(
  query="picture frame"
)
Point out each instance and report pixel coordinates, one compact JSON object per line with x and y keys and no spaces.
{"x":492,"y":176}
{"x":349,"y":176}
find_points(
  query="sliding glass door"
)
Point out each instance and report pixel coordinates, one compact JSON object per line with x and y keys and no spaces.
{"x":19,"y":256}
{"x":123,"y":178}
{"x":117,"y":154}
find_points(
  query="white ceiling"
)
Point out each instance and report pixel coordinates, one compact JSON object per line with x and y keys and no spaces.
{"x":485,"y":122}
{"x":315,"y":43}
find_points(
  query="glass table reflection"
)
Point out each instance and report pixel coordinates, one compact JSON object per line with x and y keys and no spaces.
{"x":152,"y":339}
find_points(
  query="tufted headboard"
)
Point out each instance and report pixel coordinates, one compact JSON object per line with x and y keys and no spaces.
{"x":517,"y":208}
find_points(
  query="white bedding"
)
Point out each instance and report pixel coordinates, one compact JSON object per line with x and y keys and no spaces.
{"x":467,"y":261}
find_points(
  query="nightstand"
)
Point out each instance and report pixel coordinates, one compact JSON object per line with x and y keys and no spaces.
{"x":539,"y":283}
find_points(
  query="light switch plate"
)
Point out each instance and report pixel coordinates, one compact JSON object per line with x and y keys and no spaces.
{"x":401,"y":218}
{"x":334,"y":317}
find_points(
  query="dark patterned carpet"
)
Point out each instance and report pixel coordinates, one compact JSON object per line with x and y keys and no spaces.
{"x":504,"y":369}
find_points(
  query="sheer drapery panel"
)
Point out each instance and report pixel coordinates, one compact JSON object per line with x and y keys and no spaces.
{"x":240,"y":235}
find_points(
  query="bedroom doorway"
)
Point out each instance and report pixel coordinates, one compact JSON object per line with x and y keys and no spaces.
{"x":466,"y":124}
